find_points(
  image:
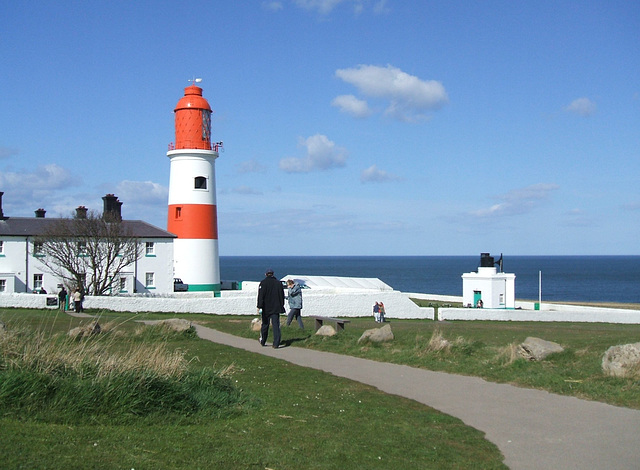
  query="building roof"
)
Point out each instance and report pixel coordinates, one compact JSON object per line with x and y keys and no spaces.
{"x":335,"y":282}
{"x":35,"y":226}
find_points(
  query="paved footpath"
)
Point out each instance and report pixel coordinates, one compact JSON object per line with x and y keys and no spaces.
{"x":533,"y":429}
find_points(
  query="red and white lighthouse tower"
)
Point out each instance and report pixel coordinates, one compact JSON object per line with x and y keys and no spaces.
{"x":192,"y":194}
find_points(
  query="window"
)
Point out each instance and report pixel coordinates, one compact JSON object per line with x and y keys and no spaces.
{"x":148,"y":281}
{"x":123,"y":284}
{"x":1,"y":247}
{"x":37,"y":249}
{"x":200,"y":182}
{"x":206,"y":125}
{"x":37,"y":282}
{"x":82,"y":248}
{"x":3,"y":285}
{"x":149,"y":249}
{"x":178,"y":212}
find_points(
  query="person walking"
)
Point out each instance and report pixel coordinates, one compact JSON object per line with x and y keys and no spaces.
{"x":62,"y":298}
{"x":270,"y":305}
{"x":77,"y":301}
{"x":295,"y":302}
{"x":376,"y":312}
{"x":381,"y":312}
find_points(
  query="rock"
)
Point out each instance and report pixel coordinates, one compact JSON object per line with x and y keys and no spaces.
{"x":256,"y":324}
{"x":85,"y":330}
{"x":622,"y":360}
{"x":326,"y":330}
{"x":377,"y":335}
{"x":536,"y":349}
{"x":176,"y":324}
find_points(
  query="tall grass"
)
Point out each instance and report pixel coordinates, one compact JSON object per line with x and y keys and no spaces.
{"x":56,"y":378}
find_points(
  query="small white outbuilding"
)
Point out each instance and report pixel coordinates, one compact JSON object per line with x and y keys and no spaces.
{"x":488,"y":288}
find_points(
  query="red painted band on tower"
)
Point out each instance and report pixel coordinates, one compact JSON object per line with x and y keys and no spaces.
{"x":193,"y":221}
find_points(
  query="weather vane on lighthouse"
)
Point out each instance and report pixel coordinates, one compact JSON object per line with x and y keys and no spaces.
{"x":194,"y":80}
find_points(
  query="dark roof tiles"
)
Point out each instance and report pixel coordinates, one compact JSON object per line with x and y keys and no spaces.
{"x":34,"y":226}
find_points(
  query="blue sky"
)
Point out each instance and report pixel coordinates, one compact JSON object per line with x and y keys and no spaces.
{"x":350,"y":127}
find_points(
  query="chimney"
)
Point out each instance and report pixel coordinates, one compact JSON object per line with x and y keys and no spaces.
{"x":1,"y":214}
{"x":81,"y":212}
{"x":40,"y":213}
{"x":112,"y":208}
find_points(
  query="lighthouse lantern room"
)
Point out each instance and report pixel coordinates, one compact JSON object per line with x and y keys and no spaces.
{"x":192,"y":214}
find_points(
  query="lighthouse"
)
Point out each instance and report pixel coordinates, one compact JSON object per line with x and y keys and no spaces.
{"x":192,"y":212}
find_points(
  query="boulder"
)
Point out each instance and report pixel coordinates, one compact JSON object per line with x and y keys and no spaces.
{"x":377,"y":335}
{"x":622,"y":360}
{"x":536,"y":349}
{"x":256,"y":324}
{"x":85,"y":330}
{"x":326,"y":330}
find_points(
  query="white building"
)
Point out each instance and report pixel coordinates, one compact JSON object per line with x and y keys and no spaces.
{"x":21,"y":268}
{"x":488,"y":288}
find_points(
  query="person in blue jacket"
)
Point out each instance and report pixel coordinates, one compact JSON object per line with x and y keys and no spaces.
{"x":295,"y":302}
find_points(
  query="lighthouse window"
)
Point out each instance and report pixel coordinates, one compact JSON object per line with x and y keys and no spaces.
{"x":200,"y":182}
{"x":206,"y":125}
{"x":178,"y":212}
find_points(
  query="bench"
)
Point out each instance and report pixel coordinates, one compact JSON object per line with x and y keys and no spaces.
{"x":320,"y":320}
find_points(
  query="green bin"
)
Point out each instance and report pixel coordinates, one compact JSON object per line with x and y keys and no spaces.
{"x":536,"y":306}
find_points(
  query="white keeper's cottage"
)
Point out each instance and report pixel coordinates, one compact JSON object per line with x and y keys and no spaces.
{"x":22,"y":271}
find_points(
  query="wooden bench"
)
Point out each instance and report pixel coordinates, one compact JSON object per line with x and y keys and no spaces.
{"x":320,"y":320}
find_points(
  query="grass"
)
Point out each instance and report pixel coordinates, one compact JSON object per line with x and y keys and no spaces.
{"x":485,"y":349}
{"x":287,"y":417}
{"x":59,"y":379}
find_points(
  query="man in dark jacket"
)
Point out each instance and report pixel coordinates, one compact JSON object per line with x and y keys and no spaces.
{"x":270,"y":305}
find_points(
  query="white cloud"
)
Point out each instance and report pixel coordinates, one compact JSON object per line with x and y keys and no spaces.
{"x":142,"y":192}
{"x":321,"y":154}
{"x":273,"y":6}
{"x":250,"y":166}
{"x":6,"y":152}
{"x":375,"y":175}
{"x":409,"y":97}
{"x":351,"y":105}
{"x":517,"y":201}
{"x":380,"y":7}
{"x":247,"y":190}
{"x":325,"y":7}
{"x":582,"y":106}
{"x":43,"y":178}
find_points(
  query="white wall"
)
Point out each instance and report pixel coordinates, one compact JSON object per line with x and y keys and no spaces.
{"x":353,"y":304}
{"x":565,"y":314}
{"x":398,"y":305}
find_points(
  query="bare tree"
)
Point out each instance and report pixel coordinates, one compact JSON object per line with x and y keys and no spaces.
{"x":88,"y":252}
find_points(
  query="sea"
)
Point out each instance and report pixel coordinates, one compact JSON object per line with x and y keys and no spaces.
{"x":556,"y":278}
